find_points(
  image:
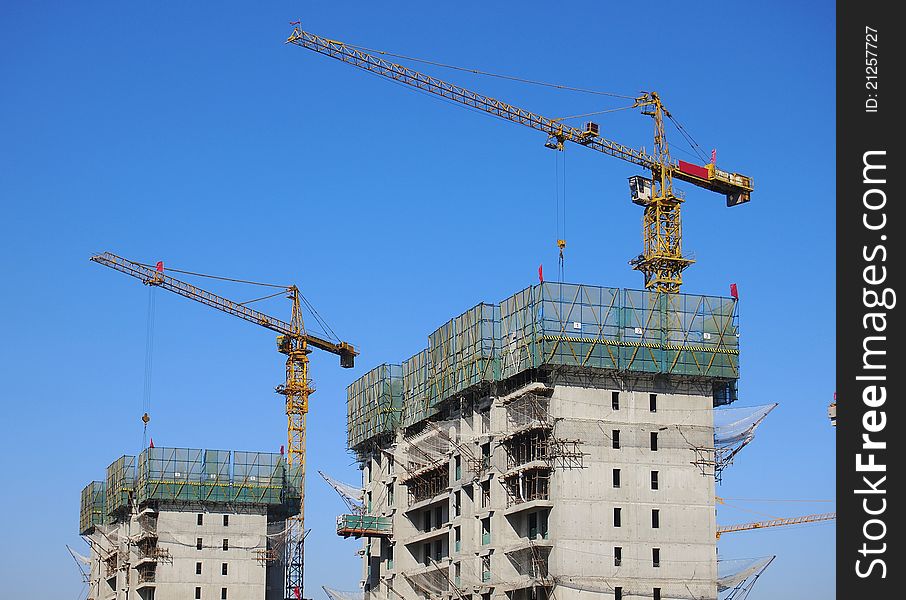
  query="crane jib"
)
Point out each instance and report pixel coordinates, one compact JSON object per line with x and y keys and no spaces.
{"x":150,"y":276}
{"x":292,"y":342}
{"x":662,"y":260}
{"x":706,"y":177}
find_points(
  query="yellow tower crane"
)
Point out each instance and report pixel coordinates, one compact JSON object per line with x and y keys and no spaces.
{"x":292,"y":341}
{"x":661,"y":261}
{"x":775,"y":523}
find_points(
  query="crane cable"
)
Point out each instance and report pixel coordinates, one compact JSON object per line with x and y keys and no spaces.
{"x":561,"y":236}
{"x":149,"y":365}
{"x":489,"y":74}
{"x":592,"y":114}
{"x":774,"y":500}
{"x":328,"y":330}
{"x":692,"y":143}
{"x":560,"y":193}
{"x":230,"y":279}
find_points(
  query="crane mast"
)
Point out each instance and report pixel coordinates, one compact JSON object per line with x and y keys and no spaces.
{"x":296,"y":390}
{"x":661,"y":261}
{"x":292,"y":341}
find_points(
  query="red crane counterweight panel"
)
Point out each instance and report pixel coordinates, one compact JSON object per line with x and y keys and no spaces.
{"x":694,"y":170}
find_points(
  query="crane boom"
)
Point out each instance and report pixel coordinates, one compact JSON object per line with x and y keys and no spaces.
{"x":775,"y":523}
{"x":451,"y":91}
{"x":150,"y":276}
{"x":292,"y":341}
{"x":661,"y":260}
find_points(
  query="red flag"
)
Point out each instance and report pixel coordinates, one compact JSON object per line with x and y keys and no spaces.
{"x":297,"y":593}
{"x":281,"y":450}
{"x":540,"y":274}
{"x":160,"y":266}
{"x":151,"y":445}
{"x":714,"y":156}
{"x":734,"y":291}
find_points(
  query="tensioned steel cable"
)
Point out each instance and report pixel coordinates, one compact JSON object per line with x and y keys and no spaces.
{"x":231,"y":279}
{"x":149,"y":366}
{"x":283,"y":288}
{"x":489,"y":74}
{"x":689,"y":139}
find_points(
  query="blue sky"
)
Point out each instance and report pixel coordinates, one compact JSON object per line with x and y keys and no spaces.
{"x":192,"y":134}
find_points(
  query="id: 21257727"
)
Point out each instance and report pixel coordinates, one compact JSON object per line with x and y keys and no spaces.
{"x":871,"y":69}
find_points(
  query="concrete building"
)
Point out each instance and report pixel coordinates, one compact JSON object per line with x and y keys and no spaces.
{"x":188,"y":523}
{"x":559,"y":444}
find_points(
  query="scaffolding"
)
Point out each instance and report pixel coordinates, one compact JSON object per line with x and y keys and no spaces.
{"x":471,"y":466}
{"x":626,"y":330}
{"x":532,"y":438}
{"x":92,"y":508}
{"x":189,"y":476}
{"x":111,"y":563}
{"x":211,"y":476}
{"x":433,"y":582}
{"x":261,"y":478}
{"x":373,"y":403}
{"x":427,"y":483}
{"x":417,"y":394}
{"x":463,"y":351}
{"x":527,"y":484}
{"x":531,"y":561}
{"x":529,"y":410}
{"x":527,"y":446}
{"x":120,"y":485}
{"x":171,"y":474}
{"x":552,"y":325}
{"x":430,"y":447}
{"x":148,"y":550}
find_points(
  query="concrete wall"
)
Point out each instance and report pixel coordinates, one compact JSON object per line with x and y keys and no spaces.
{"x":179,"y":532}
{"x":176,"y":568}
{"x":582,"y":519}
{"x":578,"y":550}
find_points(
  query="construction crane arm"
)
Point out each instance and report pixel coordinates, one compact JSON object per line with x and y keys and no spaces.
{"x":775,"y":523}
{"x":151,"y":276}
{"x":293,"y":342}
{"x":736,"y":187}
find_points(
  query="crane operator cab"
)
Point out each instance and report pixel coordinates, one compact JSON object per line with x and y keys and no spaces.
{"x":640,"y":190}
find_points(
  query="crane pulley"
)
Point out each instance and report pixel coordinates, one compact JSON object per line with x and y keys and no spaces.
{"x":661,"y":261}
{"x":295,"y":343}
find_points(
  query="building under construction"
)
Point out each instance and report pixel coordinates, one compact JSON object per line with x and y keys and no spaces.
{"x":187,"y":523}
{"x":561,"y":443}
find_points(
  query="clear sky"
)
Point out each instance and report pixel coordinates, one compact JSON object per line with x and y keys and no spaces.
{"x":190,"y":133}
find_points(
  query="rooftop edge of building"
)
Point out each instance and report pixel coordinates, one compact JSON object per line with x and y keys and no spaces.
{"x":190,"y":476}
{"x":552,"y":325}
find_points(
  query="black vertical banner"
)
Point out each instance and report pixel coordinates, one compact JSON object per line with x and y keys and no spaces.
{"x":870,"y":225}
